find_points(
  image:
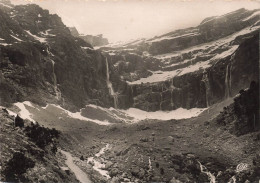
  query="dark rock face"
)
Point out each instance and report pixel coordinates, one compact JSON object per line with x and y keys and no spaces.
{"x":18,"y":121}
{"x":242,"y":116}
{"x":203,"y":87}
{"x":42,"y":61}
{"x":212,"y":58}
{"x":39,"y":57}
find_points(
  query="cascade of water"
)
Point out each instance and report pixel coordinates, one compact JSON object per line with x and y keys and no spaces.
{"x":232,"y":179}
{"x":230,"y":89}
{"x":172,"y":87}
{"x":211,"y":177}
{"x":124,"y":58}
{"x":160,"y":101}
{"x":172,"y":104}
{"x":56,"y":89}
{"x":110,"y":87}
{"x":161,"y":98}
{"x":227,"y":89}
{"x":205,"y":79}
{"x":132,"y":91}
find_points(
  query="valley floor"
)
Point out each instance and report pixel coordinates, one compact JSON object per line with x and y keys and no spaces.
{"x":160,"y":150}
{"x":186,"y":150}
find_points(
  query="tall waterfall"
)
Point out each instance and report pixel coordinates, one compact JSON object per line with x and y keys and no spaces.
{"x":132,"y":91}
{"x":205,"y":79}
{"x":227,"y":82}
{"x":161,"y":99}
{"x":56,"y":89}
{"x":110,"y":87}
{"x":172,"y":87}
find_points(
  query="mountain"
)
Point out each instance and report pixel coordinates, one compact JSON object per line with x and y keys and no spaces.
{"x":41,"y":61}
{"x":179,"y":107}
{"x":193,"y":67}
{"x":93,"y":40}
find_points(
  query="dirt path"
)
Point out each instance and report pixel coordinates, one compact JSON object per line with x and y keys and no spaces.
{"x":80,"y":175}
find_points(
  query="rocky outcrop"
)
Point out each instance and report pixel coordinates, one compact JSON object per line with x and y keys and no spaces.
{"x":93,"y":40}
{"x":24,"y":158}
{"x":41,"y":61}
{"x":203,"y":87}
{"x":194,"y":74}
{"x":242,"y":116}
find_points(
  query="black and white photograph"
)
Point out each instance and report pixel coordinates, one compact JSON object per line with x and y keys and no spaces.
{"x":129,"y":91}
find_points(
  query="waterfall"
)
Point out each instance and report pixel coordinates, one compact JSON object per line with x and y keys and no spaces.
{"x":230,"y":79}
{"x":232,"y":179}
{"x":132,"y":91}
{"x":205,"y":79}
{"x":161,"y":99}
{"x":110,"y":87}
{"x":124,"y":58}
{"x":227,"y":83}
{"x":172,"y":87}
{"x":172,"y":99}
{"x":56,"y":89}
{"x":203,"y":169}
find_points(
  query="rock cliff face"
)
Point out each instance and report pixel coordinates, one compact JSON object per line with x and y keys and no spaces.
{"x":242,"y":116}
{"x":93,"y":40}
{"x":41,"y":61}
{"x":194,"y":67}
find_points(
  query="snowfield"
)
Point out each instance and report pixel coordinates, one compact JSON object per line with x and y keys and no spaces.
{"x":100,"y":115}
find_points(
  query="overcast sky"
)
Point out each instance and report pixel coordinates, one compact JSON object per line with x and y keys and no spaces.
{"x":123,"y":20}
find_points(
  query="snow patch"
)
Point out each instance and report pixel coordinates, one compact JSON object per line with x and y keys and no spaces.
{"x":5,"y":44}
{"x":24,"y":113}
{"x":171,"y":38}
{"x":179,"y":113}
{"x":86,"y":48}
{"x":257,"y":13}
{"x":17,"y":38}
{"x":11,"y":113}
{"x":159,"y":76}
{"x":77,"y":115}
{"x":46,"y":33}
{"x":5,"y":5}
{"x":226,"y":53}
{"x":42,"y":40}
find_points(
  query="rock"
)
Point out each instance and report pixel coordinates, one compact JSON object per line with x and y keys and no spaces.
{"x":109,"y":164}
{"x":143,"y":139}
{"x":82,"y":158}
{"x":113,"y":172}
{"x":174,"y":180}
{"x":18,"y":121}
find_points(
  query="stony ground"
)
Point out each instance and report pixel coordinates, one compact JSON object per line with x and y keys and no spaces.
{"x":149,"y":151}
{"x":160,"y":150}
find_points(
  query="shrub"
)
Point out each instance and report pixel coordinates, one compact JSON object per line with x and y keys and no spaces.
{"x":16,"y":167}
{"x":42,"y":136}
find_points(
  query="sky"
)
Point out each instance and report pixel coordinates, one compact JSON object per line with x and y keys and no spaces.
{"x":123,"y":20}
